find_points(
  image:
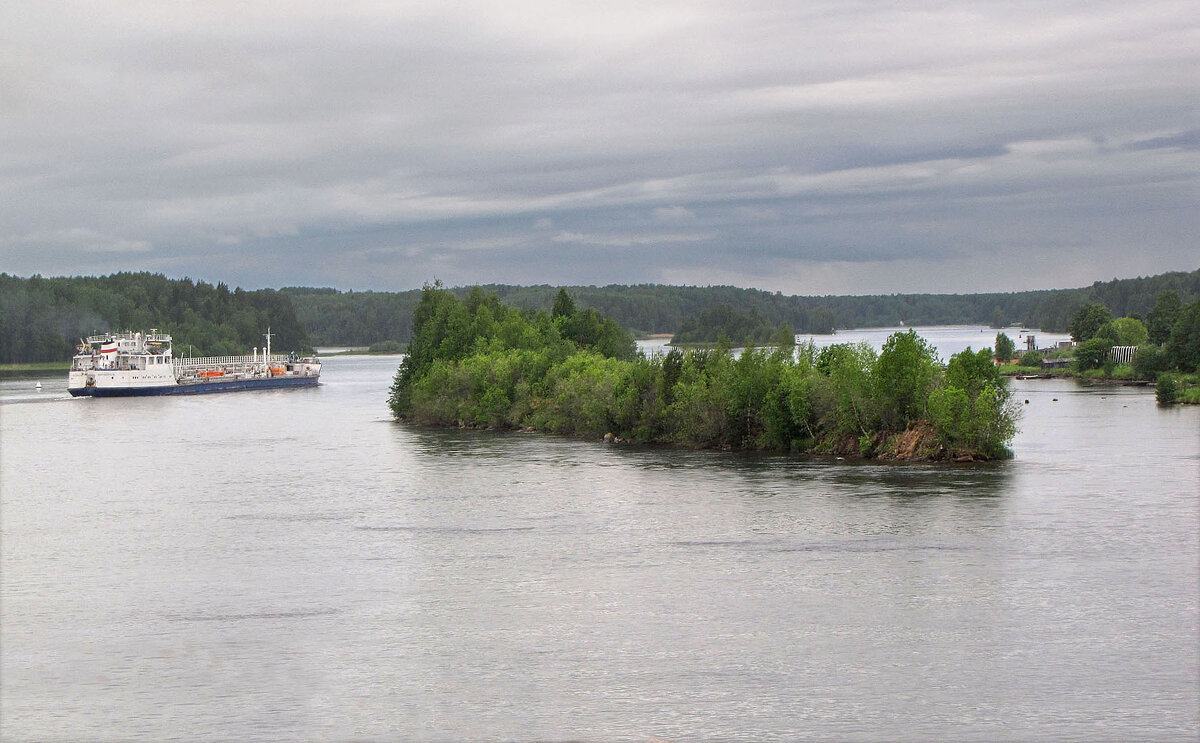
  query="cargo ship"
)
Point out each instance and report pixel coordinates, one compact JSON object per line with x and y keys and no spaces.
{"x":133,"y":364}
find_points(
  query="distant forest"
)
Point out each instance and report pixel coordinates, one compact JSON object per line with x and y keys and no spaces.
{"x":334,"y":317}
{"x":41,"y":319}
{"x":723,"y":322}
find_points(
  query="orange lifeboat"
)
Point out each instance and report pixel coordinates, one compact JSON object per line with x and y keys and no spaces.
{"x":207,"y":374}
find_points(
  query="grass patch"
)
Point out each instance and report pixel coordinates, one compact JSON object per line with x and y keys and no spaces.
{"x":39,"y":366}
{"x":1122,"y":371}
{"x":1009,"y":370}
{"x":1188,"y":389}
{"x":1013,"y":370}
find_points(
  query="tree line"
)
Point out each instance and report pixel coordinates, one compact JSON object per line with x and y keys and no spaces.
{"x":334,"y":317}
{"x":42,"y":319}
{"x":481,"y":362}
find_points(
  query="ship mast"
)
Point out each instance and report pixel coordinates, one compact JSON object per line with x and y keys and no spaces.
{"x":268,"y":335}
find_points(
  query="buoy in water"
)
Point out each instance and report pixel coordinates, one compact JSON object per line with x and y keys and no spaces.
{"x":38,"y":386}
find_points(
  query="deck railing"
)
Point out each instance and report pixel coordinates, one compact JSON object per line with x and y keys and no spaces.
{"x":130,"y":335}
{"x":204,"y":362}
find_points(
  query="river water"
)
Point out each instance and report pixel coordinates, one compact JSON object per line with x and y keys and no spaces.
{"x":294,"y":565}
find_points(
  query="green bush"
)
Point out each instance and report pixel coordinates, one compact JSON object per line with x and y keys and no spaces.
{"x":1031,"y":358}
{"x":1149,"y":361}
{"x":973,"y":412}
{"x":1166,"y":390}
{"x":1091,"y":354}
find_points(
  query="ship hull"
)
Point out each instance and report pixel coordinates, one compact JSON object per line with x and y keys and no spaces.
{"x":197,"y":388}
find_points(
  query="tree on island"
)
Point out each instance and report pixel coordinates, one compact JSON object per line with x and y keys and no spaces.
{"x":481,"y":363}
{"x":974,"y":408}
{"x":904,"y":375}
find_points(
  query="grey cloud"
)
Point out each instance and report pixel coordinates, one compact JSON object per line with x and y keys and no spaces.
{"x":1189,"y":140}
{"x":372,"y":145}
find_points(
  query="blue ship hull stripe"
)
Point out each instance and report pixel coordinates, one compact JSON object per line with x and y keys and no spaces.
{"x":198,"y":388}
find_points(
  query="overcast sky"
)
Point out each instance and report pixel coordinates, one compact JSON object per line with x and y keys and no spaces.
{"x":808,"y":147}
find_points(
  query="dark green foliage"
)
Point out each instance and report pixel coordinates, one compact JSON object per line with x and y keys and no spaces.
{"x":1092,"y":354}
{"x":480,"y":363}
{"x":43,"y":319}
{"x":447,"y":331}
{"x":671,"y":369}
{"x":1123,"y":331}
{"x":971,"y":371}
{"x":746,"y":328}
{"x":974,"y":410}
{"x":361,"y":318}
{"x":386,"y":347}
{"x":1183,"y":346}
{"x":1031,"y":358}
{"x":335,"y":318}
{"x":1005,"y":347}
{"x":590,"y":329}
{"x":45,"y":324}
{"x":1166,"y":389}
{"x":1088,"y":319}
{"x":1149,"y":362}
{"x":904,"y":374}
{"x":851,"y":405}
{"x":564,"y":306}
{"x":1163,"y":316}
{"x":785,"y":337}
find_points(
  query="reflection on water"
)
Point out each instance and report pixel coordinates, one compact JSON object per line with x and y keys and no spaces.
{"x":294,"y":565}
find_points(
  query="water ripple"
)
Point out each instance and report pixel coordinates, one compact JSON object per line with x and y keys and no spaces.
{"x":299,"y":614}
{"x":447,"y":529}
